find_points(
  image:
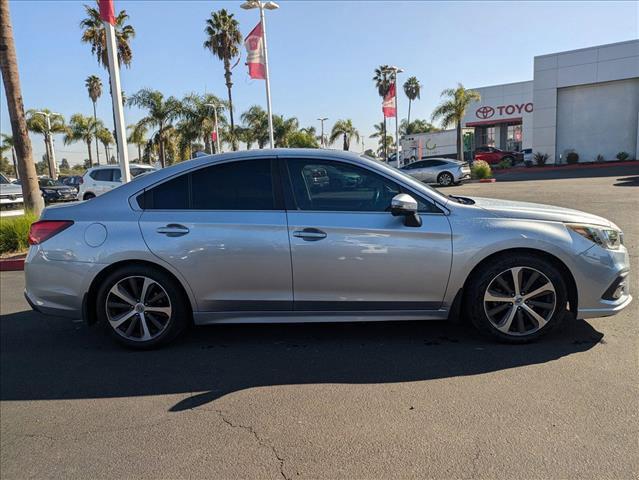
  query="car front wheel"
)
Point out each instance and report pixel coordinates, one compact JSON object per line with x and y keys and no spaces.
{"x":517,"y":299}
{"x":142,"y":307}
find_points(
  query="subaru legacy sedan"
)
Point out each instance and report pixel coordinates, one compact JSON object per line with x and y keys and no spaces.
{"x":295,"y":235}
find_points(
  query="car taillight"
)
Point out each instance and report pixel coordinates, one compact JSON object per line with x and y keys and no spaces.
{"x":44,"y":229}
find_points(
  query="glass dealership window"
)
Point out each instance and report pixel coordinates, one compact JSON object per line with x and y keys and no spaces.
{"x":514,"y":137}
{"x":486,"y":136}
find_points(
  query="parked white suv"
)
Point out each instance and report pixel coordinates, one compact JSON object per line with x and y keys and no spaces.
{"x":98,"y":180}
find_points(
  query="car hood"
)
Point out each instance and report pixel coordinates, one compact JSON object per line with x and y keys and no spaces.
{"x":56,"y":187}
{"x":538,"y":211}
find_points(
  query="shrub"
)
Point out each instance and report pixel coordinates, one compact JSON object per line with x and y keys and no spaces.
{"x":623,"y":156}
{"x":14,"y":232}
{"x":541,"y":158}
{"x":503,"y":164}
{"x":480,"y":169}
{"x":572,"y":157}
{"x":528,"y":163}
{"x":600,"y":158}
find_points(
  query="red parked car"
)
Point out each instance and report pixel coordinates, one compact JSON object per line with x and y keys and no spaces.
{"x":494,"y":155}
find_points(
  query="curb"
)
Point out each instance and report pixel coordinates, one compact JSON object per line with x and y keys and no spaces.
{"x":12,"y":264}
{"x":576,"y":166}
{"x":482,"y":180}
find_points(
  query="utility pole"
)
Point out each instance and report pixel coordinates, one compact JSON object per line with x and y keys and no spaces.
{"x":322,"y":143}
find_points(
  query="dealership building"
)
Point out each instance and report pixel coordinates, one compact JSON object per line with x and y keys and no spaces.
{"x":584,"y":100}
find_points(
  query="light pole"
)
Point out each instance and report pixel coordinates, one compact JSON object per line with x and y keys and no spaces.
{"x":248,"y":5}
{"x":395,"y":71}
{"x":322,"y":120}
{"x":217,"y":133}
{"x":48,"y":140}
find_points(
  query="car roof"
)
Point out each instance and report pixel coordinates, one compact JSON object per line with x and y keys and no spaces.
{"x":131,"y":165}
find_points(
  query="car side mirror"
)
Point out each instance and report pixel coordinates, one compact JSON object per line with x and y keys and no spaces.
{"x":403,"y":205}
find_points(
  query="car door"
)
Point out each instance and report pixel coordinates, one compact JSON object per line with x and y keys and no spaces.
{"x":223,"y":227}
{"x":349,"y":253}
{"x":419,"y":170}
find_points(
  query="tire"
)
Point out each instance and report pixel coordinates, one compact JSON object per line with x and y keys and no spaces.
{"x":496,"y":280}
{"x":445,"y":179}
{"x":88,"y":196}
{"x":160,"y":316}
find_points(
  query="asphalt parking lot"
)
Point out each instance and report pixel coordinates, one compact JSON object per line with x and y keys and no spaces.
{"x":396,"y":400}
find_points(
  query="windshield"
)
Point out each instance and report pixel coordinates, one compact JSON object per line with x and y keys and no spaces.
{"x":4,"y":179}
{"x":135,"y":171}
{"x":49,"y":182}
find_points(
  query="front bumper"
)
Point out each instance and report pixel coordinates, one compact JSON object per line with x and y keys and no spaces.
{"x":596,"y":275}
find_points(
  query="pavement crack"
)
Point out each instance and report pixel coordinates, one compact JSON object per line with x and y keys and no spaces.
{"x":259,"y":439}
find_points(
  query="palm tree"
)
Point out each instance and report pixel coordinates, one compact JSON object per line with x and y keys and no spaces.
{"x":346,"y":130}
{"x":37,"y":123}
{"x":11,"y":79}
{"x":198,"y":113}
{"x":138,"y":137}
{"x":256,"y":119}
{"x":223,"y":39}
{"x":382,"y":79}
{"x":283,"y":129}
{"x":105,"y":137}
{"x":94,"y":88}
{"x":95,"y":35}
{"x":160,"y":113}
{"x":384,"y":141}
{"x":416,"y":126}
{"x":412,"y":89}
{"x":384,"y":144}
{"x":452,"y":111}
{"x":82,"y":129}
{"x":246,"y":135}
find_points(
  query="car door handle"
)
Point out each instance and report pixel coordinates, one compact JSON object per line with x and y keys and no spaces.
{"x":173,"y":230}
{"x":309,"y":234}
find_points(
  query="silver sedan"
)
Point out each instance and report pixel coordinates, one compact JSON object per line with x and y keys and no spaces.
{"x":442,"y":171}
{"x":253,"y":237}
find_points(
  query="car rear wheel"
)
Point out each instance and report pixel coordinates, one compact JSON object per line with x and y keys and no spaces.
{"x":445,"y":179}
{"x":142,"y":307}
{"x":88,"y":196}
{"x":517,"y":299}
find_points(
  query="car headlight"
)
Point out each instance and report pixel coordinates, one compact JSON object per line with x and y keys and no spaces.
{"x":608,"y":238}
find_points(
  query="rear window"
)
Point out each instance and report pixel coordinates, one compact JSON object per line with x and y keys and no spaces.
{"x":240,"y":185}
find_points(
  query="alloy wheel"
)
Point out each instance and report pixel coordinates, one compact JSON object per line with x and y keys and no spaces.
{"x":138,"y":308}
{"x":520,"y":301}
{"x":445,"y":179}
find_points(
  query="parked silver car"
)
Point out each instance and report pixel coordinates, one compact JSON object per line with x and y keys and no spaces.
{"x":250,"y":237}
{"x":442,"y":171}
{"x":10,"y":194}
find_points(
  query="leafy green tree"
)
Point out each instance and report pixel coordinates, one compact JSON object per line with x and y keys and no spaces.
{"x":256,"y":119}
{"x":94,"y":88}
{"x":37,"y":123}
{"x":7,"y":146}
{"x":453,"y":109}
{"x":246,"y":135}
{"x":412,"y":89}
{"x":82,"y":129}
{"x":64,"y":165}
{"x":160,"y":114}
{"x":94,"y":33}
{"x":302,"y":139}
{"x":345,"y":130}
{"x":223,"y":39}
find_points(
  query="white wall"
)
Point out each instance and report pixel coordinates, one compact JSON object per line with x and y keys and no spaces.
{"x":598,"y":119}
{"x":606,"y":63}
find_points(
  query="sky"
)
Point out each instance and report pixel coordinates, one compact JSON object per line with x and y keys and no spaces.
{"x":321,"y":53}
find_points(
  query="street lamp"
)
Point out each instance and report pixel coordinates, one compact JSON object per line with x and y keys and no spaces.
{"x":53,"y":172}
{"x":217,"y":133}
{"x":248,"y":5}
{"x":322,"y":119}
{"x":395,"y":70}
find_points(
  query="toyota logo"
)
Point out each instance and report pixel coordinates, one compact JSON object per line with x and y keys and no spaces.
{"x":485,"y":112}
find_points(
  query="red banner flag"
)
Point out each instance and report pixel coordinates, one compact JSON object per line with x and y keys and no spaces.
{"x":255,"y":53}
{"x":388,"y":106}
{"x":107,"y":13}
{"x":214,"y":136}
